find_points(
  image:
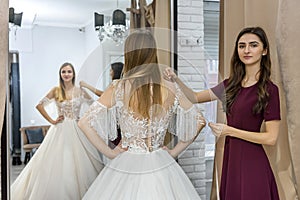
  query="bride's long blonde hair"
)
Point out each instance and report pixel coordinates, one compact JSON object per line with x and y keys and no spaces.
{"x":141,"y":67}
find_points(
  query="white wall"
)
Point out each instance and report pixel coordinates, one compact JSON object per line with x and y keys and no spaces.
{"x":95,"y":68}
{"x":42,"y":50}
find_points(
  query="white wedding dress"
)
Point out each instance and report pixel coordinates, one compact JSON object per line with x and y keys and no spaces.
{"x":145,"y":171}
{"x":65,"y":164}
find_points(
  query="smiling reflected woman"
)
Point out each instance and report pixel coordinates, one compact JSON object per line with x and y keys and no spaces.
{"x":66,"y":163}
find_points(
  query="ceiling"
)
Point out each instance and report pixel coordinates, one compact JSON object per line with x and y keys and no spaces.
{"x":64,"y":13}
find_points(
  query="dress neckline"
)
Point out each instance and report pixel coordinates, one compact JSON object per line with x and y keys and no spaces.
{"x":249,"y":86}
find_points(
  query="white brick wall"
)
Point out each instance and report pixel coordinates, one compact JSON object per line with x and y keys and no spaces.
{"x":191,"y":69}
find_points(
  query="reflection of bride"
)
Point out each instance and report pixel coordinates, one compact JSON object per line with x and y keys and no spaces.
{"x":66,"y":163}
{"x":144,"y":106}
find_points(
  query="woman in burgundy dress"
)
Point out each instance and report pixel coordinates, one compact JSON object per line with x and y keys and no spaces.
{"x":249,"y":97}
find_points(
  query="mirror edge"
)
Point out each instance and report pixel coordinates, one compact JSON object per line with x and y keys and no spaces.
{"x":174,"y":27}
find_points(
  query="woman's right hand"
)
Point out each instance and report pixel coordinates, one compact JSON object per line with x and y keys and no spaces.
{"x":169,"y":74}
{"x":82,"y":84}
{"x":58,"y":120}
{"x":201,"y":122}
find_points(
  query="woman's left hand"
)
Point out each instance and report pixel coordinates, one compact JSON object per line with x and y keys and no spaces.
{"x":118,"y":150}
{"x":218,"y":129}
{"x":169,"y":74}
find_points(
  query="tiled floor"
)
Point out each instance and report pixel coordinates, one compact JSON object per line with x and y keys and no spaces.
{"x":15,"y":171}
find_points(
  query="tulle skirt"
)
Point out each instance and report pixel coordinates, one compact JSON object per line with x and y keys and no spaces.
{"x":63,"y":167}
{"x":136,"y":176}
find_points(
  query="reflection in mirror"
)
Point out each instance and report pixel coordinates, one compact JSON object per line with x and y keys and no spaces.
{"x":51,"y":33}
{"x":42,"y":46}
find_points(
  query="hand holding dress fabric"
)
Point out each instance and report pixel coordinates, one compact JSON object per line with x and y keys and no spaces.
{"x":218,"y":129}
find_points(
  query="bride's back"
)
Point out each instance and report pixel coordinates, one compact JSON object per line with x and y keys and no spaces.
{"x":145,"y":101}
{"x":144,"y":119}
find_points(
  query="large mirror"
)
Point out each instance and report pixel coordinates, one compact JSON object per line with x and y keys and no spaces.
{"x":53,"y":32}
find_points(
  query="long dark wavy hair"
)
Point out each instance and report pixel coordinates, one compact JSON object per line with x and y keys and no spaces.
{"x":117,"y":68}
{"x":238,"y":72}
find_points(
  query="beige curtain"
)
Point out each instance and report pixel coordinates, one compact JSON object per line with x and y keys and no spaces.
{"x":287,"y":38}
{"x":3,"y":65}
{"x":137,"y":14}
{"x":277,"y":17}
{"x":3,"y":56}
{"x":162,"y":31}
{"x":156,"y":15}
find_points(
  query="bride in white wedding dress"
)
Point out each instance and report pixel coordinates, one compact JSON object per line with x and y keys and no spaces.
{"x":66,"y":163}
{"x":144,"y":106}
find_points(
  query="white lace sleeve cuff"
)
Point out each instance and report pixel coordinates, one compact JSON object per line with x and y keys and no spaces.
{"x":86,"y":97}
{"x":45,"y":101}
{"x":102,"y":120}
{"x":184,"y":123}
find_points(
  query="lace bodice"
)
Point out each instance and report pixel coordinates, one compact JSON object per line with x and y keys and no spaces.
{"x":140,"y":134}
{"x":71,"y":109}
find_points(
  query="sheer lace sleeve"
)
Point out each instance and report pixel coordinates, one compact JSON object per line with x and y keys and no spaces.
{"x":103,"y":120}
{"x":50,"y":106}
{"x":45,"y":101}
{"x":86,"y":97}
{"x":184,"y":123}
{"x":186,"y":117}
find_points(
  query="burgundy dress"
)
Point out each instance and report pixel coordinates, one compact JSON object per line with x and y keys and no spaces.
{"x":246,"y":172}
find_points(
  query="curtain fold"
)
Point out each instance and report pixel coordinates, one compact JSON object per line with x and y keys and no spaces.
{"x":137,"y":14}
{"x":3,"y":72}
{"x":156,"y":17}
{"x":277,"y":18}
{"x":3,"y":57}
{"x":163,"y":31}
{"x":287,"y":38}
